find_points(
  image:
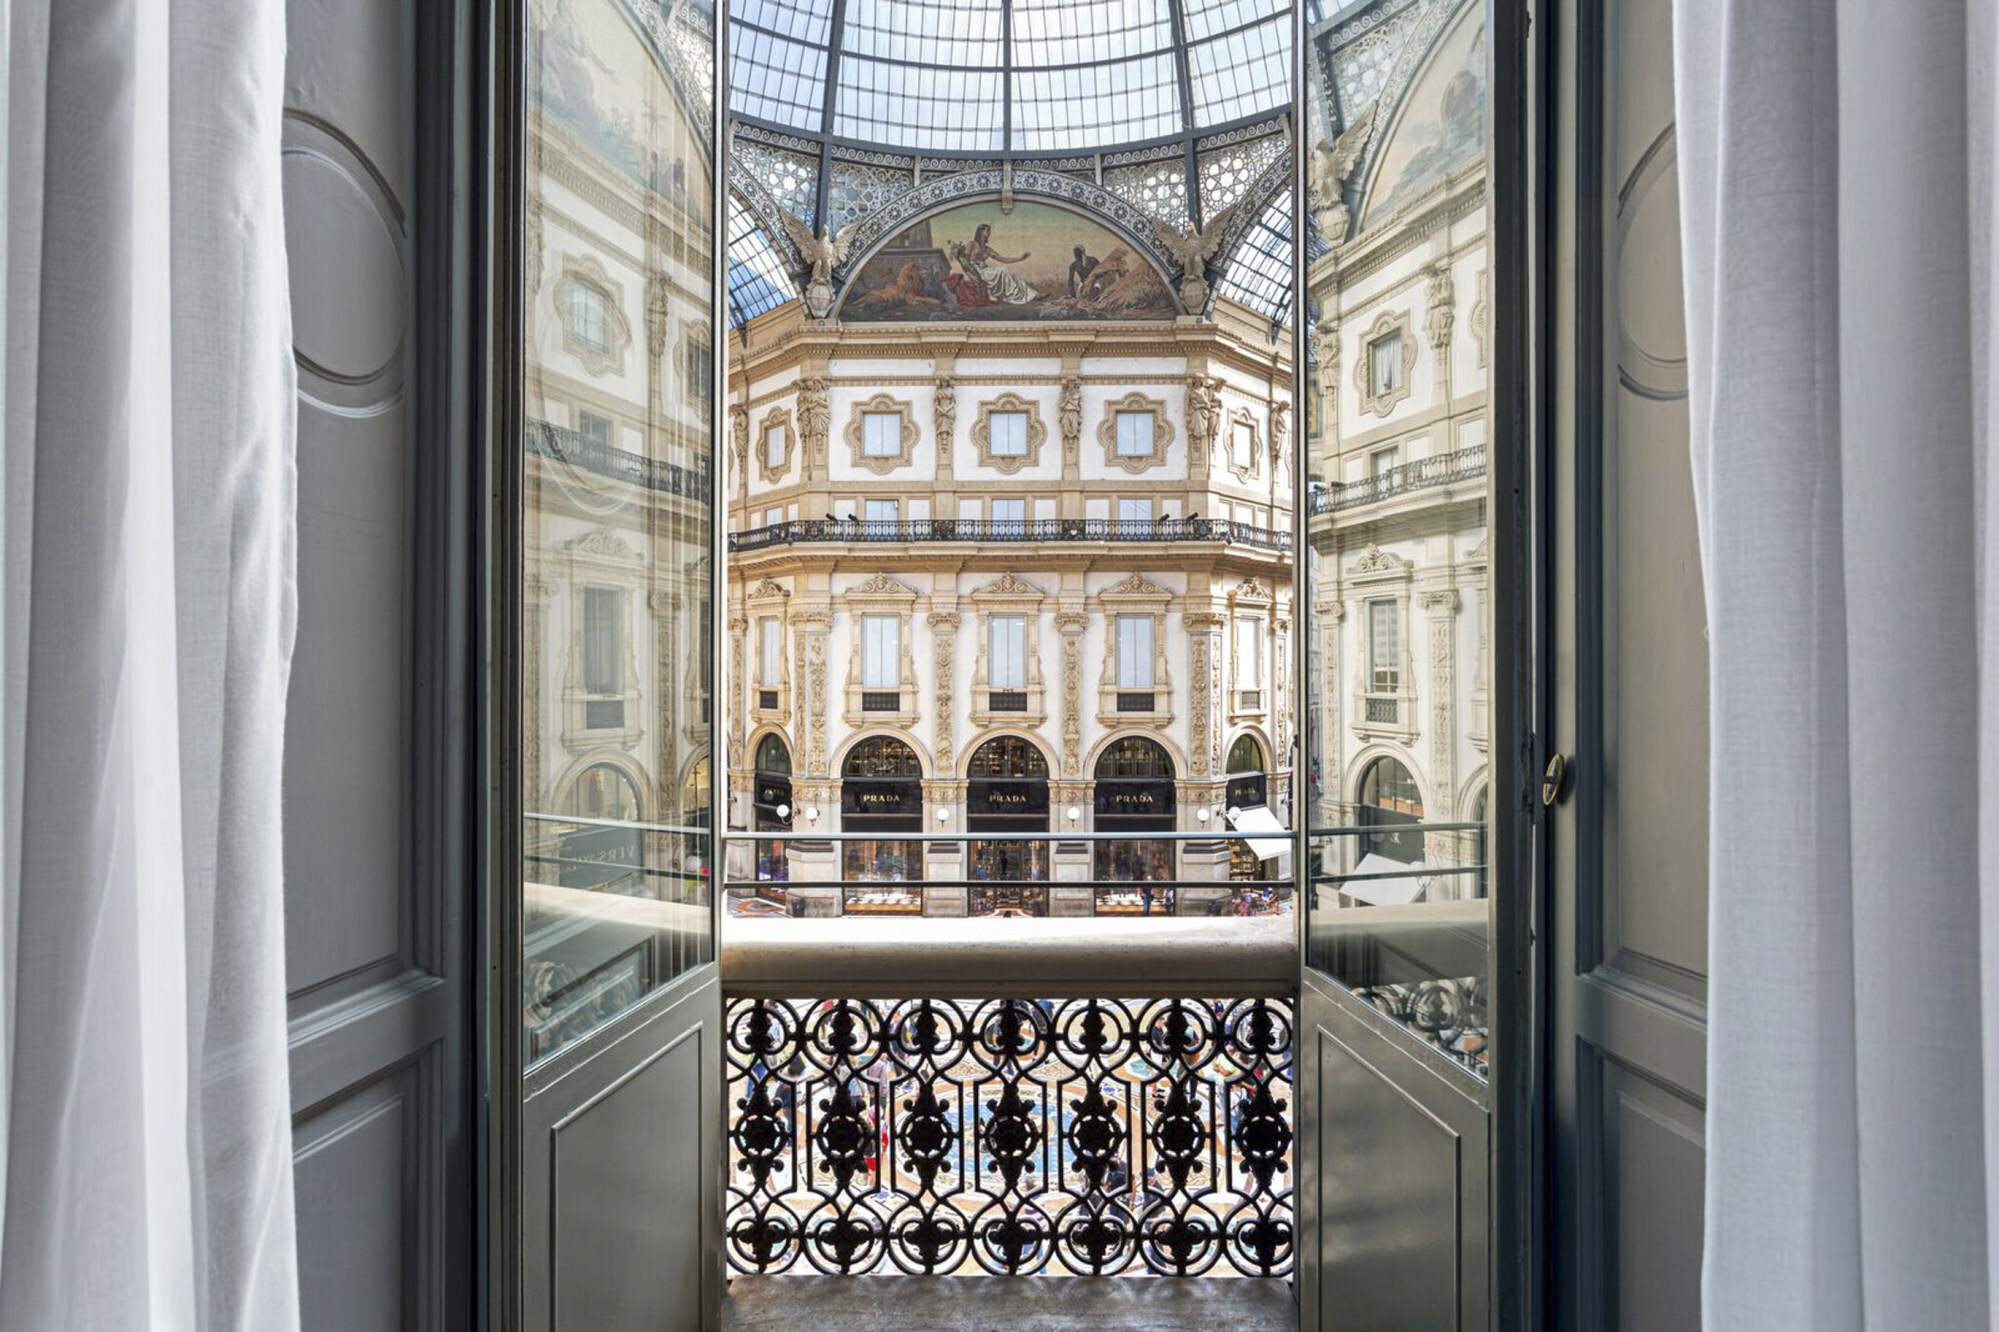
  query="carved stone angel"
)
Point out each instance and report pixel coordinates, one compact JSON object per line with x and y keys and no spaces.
{"x":822,"y":253}
{"x":1331,"y":165}
{"x":1192,"y":250}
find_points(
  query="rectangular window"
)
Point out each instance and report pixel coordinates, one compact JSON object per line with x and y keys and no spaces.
{"x":774,"y":446}
{"x":1245,"y":446}
{"x":772,"y":517}
{"x":770,"y":648}
{"x":1248,"y":653}
{"x":1006,"y":646}
{"x":1009,"y":432}
{"x":1384,"y":363}
{"x":589,"y":317}
{"x":1012,"y":512}
{"x":1134,"y":652}
{"x":882,"y":434}
{"x":697,"y":369}
{"x":881,"y":510}
{"x":1134,"y":510}
{"x":1384,"y":650}
{"x":1383,"y":460}
{"x":596,"y":430}
{"x":1134,"y":434}
{"x":603,"y":640}
{"x":881,"y":651}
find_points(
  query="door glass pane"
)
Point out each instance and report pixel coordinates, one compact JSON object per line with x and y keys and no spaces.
{"x":618,"y":302}
{"x":1397,"y":732}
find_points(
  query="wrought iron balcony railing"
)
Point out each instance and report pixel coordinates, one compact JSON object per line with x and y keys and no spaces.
{"x":860,"y":531}
{"x":553,"y":441}
{"x":1010,"y":1136}
{"x":1422,"y":474}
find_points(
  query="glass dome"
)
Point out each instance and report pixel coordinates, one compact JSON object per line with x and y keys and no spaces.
{"x":1005,"y":78}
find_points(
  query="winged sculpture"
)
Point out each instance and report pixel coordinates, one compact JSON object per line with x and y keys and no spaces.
{"x":1331,"y":165}
{"x":823,"y":252}
{"x":1192,"y":249}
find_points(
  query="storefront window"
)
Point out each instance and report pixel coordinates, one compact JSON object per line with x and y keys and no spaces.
{"x":1135,"y":795}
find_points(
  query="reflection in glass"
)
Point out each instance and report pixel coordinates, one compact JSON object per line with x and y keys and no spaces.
{"x":618,"y":296}
{"x":1397,"y":737}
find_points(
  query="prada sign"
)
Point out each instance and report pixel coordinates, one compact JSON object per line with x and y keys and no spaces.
{"x":1016,"y":797}
{"x":1140,"y":804}
{"x":1247,"y":790}
{"x":877,"y":798}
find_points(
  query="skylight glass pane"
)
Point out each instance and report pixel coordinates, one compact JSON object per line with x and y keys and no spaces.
{"x":757,"y":280}
{"x":1091,"y":106}
{"x":1259,"y":276}
{"x":1206,"y":18}
{"x":775,"y":79}
{"x":808,"y":21}
{"x":1075,"y":32}
{"x":919,"y":108}
{"x":1239,"y":75}
{"x":926,"y":32}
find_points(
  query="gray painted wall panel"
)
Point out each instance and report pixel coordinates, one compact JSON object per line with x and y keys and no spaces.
{"x":352,"y":1236}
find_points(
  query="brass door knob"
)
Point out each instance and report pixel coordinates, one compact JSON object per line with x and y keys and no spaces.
{"x":1555,"y":779}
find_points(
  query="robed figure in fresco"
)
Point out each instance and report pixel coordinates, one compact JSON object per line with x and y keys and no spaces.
{"x":987,"y":280}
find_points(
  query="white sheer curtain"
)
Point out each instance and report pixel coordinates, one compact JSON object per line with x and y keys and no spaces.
{"x":148,"y":583}
{"x":1836,"y":175}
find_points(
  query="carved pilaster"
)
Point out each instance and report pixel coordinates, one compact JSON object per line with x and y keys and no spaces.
{"x":1070,"y":413}
{"x":534,"y":651}
{"x":816,"y":702}
{"x":1443,"y":308}
{"x":945,"y":413}
{"x":1441,"y":607}
{"x":1072,"y":624}
{"x":944,"y":645}
{"x":1204,"y":722}
{"x":739,"y":627}
{"x":815,"y":419}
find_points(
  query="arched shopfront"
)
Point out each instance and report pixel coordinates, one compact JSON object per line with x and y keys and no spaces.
{"x":1390,"y":808}
{"x":1248,"y":788}
{"x":608,"y":859}
{"x":1134,"y":796}
{"x":881,"y":791}
{"x":771,"y":801}
{"x":1264,"y":854}
{"x":1007,"y":793}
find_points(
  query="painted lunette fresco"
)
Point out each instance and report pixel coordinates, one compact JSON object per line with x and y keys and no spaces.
{"x":976,"y":262}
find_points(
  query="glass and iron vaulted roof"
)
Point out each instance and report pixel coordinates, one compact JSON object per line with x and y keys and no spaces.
{"x":1006,"y":78}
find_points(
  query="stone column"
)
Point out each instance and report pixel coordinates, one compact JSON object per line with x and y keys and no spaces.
{"x":1071,"y":873}
{"x":944,"y":860}
{"x":1204,"y":864}
{"x":809,"y":859}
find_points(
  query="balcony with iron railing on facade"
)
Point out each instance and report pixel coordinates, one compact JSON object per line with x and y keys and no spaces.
{"x":859,"y":531}
{"x":1442,"y":469}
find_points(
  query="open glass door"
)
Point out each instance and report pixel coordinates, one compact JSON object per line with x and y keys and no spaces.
{"x":1397,"y":583}
{"x":619,"y":1001}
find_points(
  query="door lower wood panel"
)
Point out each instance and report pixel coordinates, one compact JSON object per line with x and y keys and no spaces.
{"x":1399,"y":1172}
{"x":622,"y":1169}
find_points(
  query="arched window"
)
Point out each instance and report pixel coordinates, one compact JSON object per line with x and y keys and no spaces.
{"x":1008,"y":756}
{"x":1135,"y":756}
{"x":604,"y":791}
{"x":881,"y":756}
{"x":1245,"y":755}
{"x":1389,"y":799}
{"x":773,"y":755}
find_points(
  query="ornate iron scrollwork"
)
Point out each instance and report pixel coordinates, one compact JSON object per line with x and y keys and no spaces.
{"x":1008,"y":1136}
